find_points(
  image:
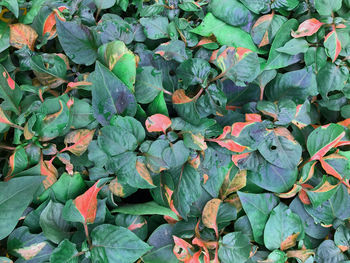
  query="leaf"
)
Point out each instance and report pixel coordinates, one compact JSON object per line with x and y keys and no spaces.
{"x":29,"y":247}
{"x":234,"y":180}
{"x":116,"y":244}
{"x":258,"y":208}
{"x":9,"y":92}
{"x":66,"y":252}
{"x":294,"y":47}
{"x":234,"y":248}
{"x":120,"y":60}
{"x":283,"y":228}
{"x":194,"y":71}
{"x":279,"y":60}
{"x":78,"y":141}
{"x":327,"y":7}
{"x":307,"y":28}
{"x":83,"y":208}
{"x":331,"y":77}
{"x":148,"y":208}
{"x":265,"y":28}
{"x":148,"y":84}
{"x":241,"y":65}
{"x":295,"y":85}
{"x":172,"y":50}
{"x":210,"y":213}
{"x":158,"y":123}
{"x":230,"y":11}
{"x":83,"y":51}
{"x":104,"y":4}
{"x":224,"y":33}
{"x":12,"y":5}
{"x":324,"y":138}
{"x":22,"y":35}
{"x":109,"y":95}
{"x":12,"y":206}
{"x":185,"y":106}
{"x":329,"y":252}
{"x":333,"y":45}
{"x":155,"y":27}
{"x":50,"y":69}
{"x":54,"y":227}
{"x":5,"y":36}
{"x":187,"y":189}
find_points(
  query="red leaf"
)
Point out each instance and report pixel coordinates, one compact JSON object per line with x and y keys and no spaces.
{"x":47,"y":169}
{"x":80,"y":140}
{"x":157,"y":123}
{"x":87,"y":203}
{"x":327,"y":147}
{"x":10,"y":81}
{"x":307,"y":28}
{"x":50,"y":22}
{"x":333,"y":36}
{"x":252,"y":117}
{"x":224,"y":140}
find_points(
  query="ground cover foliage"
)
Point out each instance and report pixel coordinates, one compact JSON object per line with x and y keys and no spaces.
{"x":174,"y":131}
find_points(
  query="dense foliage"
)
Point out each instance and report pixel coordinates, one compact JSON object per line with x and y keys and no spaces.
{"x":167,"y":131}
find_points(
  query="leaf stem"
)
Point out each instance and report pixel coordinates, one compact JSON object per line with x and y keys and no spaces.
{"x":86,"y":229}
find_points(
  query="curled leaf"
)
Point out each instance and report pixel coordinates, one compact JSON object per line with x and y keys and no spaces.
{"x":158,"y":123}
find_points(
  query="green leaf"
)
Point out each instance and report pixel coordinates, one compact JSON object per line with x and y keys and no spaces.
{"x":77,"y":42}
{"x":294,"y":46}
{"x":328,"y":252}
{"x":330,"y":78}
{"x":224,"y":33}
{"x":148,"y":208}
{"x":295,"y":85}
{"x":187,"y":189}
{"x":322,"y":139}
{"x":327,"y":7}
{"x":34,"y":10}
{"x":12,"y":5}
{"x":116,"y":244}
{"x":148,"y":84}
{"x":234,"y":248}
{"x":155,"y":27}
{"x":120,"y":60}
{"x":172,"y":50}
{"x":230,"y":11}
{"x":4,"y":36}
{"x":158,"y":105}
{"x":9,"y":92}
{"x":265,"y":29}
{"x":258,"y":208}
{"x":13,"y":205}
{"x":257,"y":6}
{"x":66,"y":252}
{"x":104,"y":4}
{"x":240,"y":65}
{"x":54,"y":227}
{"x":109,"y":95}
{"x":281,"y":149}
{"x":194,"y":71}
{"x":283,"y":228}
{"x":277,"y":59}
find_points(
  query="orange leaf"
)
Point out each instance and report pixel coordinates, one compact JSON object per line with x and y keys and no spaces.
{"x":307,"y":28}
{"x":181,"y":249}
{"x":143,"y":172}
{"x":47,"y":169}
{"x":210,"y":213}
{"x":289,"y":241}
{"x":4,"y":118}
{"x":80,"y":140}
{"x":158,"y":123}
{"x":116,"y":188}
{"x":22,"y":35}
{"x":50,"y":22}
{"x":87,"y":203}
